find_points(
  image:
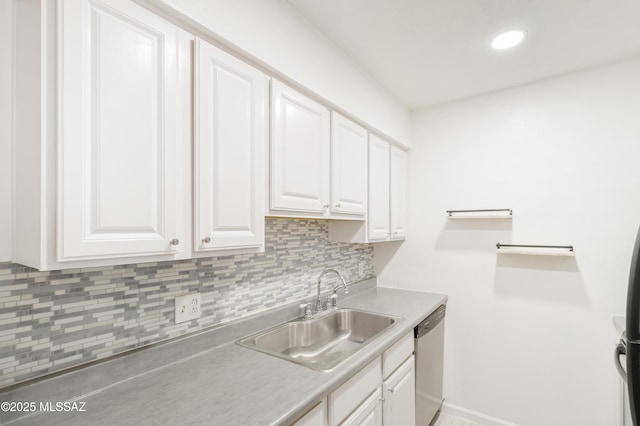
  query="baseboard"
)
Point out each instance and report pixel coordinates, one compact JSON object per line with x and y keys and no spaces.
{"x":474,"y":416}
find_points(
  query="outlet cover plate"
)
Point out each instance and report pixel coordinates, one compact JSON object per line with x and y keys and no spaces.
{"x":188,"y":307}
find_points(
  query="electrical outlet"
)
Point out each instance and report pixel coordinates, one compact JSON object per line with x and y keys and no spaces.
{"x":188,"y":307}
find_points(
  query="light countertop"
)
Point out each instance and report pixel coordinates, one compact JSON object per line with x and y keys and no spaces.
{"x":209,"y":379}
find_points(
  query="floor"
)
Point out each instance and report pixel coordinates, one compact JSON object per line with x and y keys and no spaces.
{"x":449,"y":420}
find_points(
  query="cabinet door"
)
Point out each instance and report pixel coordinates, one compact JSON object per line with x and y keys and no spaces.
{"x":369,"y":413}
{"x":118,"y":182}
{"x":299,"y":152}
{"x":378,"y":212}
{"x":400,"y":396}
{"x":351,"y":394}
{"x":348,"y":166}
{"x":314,"y":417}
{"x":398,"y":196}
{"x":230,"y":138}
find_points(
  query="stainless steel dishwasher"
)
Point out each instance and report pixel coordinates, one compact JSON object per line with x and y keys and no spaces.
{"x":429,"y":350}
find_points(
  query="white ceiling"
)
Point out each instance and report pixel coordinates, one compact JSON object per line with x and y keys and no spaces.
{"x":428,"y":52}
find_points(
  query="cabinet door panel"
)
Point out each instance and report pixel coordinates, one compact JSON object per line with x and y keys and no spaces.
{"x":369,"y":413}
{"x":398,"y":196}
{"x":378,"y":212}
{"x":117,"y":131}
{"x":230,"y":138}
{"x":315,"y":417}
{"x":348,"y":397}
{"x":400,"y":396}
{"x":299,"y":152}
{"x":348,"y":166}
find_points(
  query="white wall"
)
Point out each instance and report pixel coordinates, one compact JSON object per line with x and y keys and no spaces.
{"x":6,"y":37}
{"x":529,"y":338}
{"x":274,"y":33}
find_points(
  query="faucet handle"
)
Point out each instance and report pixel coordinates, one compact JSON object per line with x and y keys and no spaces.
{"x":332,"y":301}
{"x":305,"y":309}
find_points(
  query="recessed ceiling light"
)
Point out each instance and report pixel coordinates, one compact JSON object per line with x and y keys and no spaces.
{"x":508,"y":39}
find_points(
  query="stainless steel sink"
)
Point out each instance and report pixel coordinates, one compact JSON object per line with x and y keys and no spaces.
{"x":323,"y":342}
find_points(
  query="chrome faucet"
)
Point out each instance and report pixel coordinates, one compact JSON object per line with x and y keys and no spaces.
{"x":333,"y":299}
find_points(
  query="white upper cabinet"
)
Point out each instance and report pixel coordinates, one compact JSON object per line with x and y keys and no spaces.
{"x":398,"y":195}
{"x":318,"y":160}
{"x":387,"y":198}
{"x":118,"y":132}
{"x":387,"y":191}
{"x":378,"y":219}
{"x":348,"y":166}
{"x":300,"y":135}
{"x":104,"y":129}
{"x":230,"y":138}
{"x":132,"y":145}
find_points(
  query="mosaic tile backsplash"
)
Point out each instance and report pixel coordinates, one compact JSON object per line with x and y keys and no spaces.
{"x":54,"y":320}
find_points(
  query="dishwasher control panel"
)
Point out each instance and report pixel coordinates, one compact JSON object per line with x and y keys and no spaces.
{"x":430,"y":322}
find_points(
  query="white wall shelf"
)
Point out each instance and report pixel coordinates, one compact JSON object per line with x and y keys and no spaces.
{"x":529,"y":249}
{"x":480,"y":214}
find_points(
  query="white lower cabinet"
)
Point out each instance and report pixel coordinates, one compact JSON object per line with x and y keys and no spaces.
{"x":317,"y":416}
{"x":399,"y":396}
{"x":348,"y":397}
{"x":382,"y":393}
{"x":369,"y":413}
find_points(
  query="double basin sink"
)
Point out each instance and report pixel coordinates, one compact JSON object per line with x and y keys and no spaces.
{"x":322,"y":342}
